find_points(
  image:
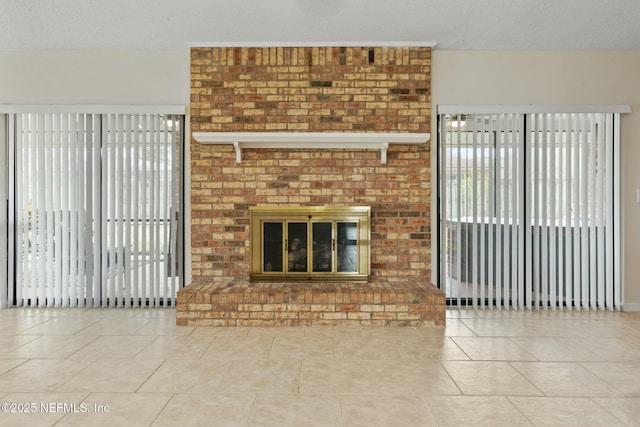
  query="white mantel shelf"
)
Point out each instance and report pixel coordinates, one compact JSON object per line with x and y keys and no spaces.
{"x":311,"y":140}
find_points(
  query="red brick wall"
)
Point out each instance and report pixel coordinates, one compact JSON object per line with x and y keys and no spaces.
{"x":317,"y":90}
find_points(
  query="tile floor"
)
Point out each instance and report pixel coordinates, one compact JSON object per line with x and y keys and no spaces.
{"x":78,"y":367}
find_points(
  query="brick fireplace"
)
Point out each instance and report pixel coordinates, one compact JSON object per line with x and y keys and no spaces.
{"x":341,"y":90}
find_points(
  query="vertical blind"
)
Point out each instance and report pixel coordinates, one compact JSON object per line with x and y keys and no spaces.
{"x":529,"y":209}
{"x":4,"y":220}
{"x":96,"y":208}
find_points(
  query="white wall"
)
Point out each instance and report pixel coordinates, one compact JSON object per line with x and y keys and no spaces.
{"x":557,"y":78}
{"x":94,"y":77}
{"x":459,"y":77}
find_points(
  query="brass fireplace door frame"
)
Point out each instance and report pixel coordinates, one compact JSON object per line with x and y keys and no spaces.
{"x":259,"y":215}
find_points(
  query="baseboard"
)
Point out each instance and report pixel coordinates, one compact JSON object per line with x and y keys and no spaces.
{"x":631,"y":306}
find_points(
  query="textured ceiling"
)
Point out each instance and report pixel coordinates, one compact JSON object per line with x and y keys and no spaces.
{"x":452,"y":24}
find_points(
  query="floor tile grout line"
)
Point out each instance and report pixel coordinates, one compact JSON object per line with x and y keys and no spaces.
{"x":444,"y":368}
{"x":215,"y":338}
{"x":300,"y":377}
{"x":253,"y":405}
{"x":341,"y":403}
{"x":593,"y":399}
{"x":95,"y":338}
{"x":273,"y":342}
{"x":511,"y":363}
{"x":15,"y":367}
{"x":166,"y":404}
{"x":150,"y":375}
{"x":460,"y":348}
{"x":614,"y":385}
{"x":69,"y":414}
{"x":35,"y":338}
{"x":517,"y":408}
{"x":524,"y":349}
{"x":76,"y":374}
{"x":146,"y":346}
{"x":224,"y":376}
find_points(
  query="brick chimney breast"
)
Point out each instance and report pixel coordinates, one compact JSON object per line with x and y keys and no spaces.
{"x":311,"y":89}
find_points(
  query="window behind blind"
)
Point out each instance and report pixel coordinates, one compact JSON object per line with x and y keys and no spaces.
{"x":96,"y":208}
{"x":529,"y":208}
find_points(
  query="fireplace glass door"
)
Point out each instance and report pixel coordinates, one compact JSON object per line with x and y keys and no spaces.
{"x":297,"y":251}
{"x":273,"y":239}
{"x":347,"y":246}
{"x":309,"y":243}
{"x":322,"y":247}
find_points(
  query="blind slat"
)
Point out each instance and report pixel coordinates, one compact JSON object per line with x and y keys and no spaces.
{"x":617,"y":238}
{"x":476,"y":217}
{"x":98,"y":216}
{"x":105,"y":203}
{"x":144,"y":197}
{"x":498,"y":229}
{"x":76,"y":255}
{"x":522,"y":216}
{"x":584,"y":211}
{"x":553,"y":216}
{"x":135,"y":207}
{"x":535,"y":210}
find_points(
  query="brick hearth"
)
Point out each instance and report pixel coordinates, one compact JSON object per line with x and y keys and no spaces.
{"x":304,"y":304}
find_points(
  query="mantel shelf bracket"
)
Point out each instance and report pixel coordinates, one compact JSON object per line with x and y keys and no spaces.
{"x":236,"y":145}
{"x":383,"y":152}
{"x":311,"y":140}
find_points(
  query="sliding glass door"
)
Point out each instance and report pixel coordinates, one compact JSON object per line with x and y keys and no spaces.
{"x":529,"y":211}
{"x":480,"y":171}
{"x":96,"y":207}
